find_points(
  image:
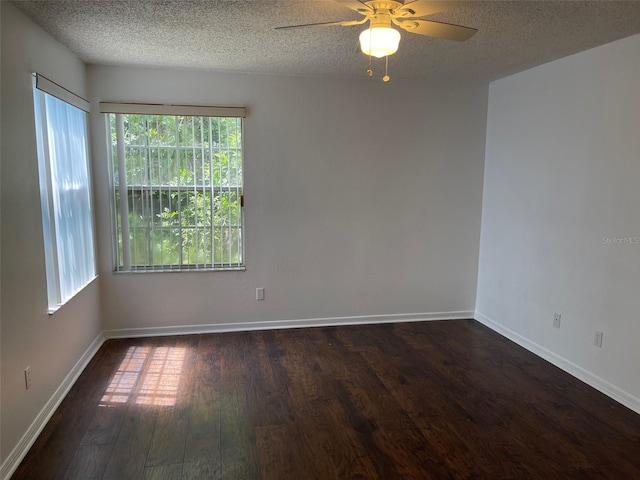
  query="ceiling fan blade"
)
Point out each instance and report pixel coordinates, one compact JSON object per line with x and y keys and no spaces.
{"x":430,"y":28}
{"x":344,"y":23}
{"x":356,"y":5}
{"x":422,"y":8}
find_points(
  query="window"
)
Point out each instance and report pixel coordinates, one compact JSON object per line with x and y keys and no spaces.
{"x":177,"y":186}
{"x":65,"y":194}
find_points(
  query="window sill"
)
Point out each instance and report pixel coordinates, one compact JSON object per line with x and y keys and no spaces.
{"x":180,"y":270}
{"x":53,"y":310}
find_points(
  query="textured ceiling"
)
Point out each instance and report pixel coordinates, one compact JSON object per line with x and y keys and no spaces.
{"x":239,"y":35}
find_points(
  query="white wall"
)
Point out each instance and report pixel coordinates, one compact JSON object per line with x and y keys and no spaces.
{"x":562,"y":172}
{"x":51,"y":345}
{"x":362,"y":198}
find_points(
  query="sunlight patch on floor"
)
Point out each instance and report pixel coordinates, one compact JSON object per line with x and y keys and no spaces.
{"x":146,"y":376}
{"x":162,"y":379}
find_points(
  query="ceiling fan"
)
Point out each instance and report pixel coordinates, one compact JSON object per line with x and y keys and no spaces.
{"x":381,"y":39}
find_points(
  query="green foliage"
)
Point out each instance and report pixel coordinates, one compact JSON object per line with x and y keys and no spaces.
{"x":184,"y":178}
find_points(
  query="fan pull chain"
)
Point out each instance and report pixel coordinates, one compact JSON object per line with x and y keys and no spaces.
{"x":386,"y":77}
{"x":369,"y":70}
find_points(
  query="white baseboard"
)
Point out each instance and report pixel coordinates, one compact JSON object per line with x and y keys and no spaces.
{"x":12,"y":462}
{"x":278,"y":324}
{"x":622,"y":396}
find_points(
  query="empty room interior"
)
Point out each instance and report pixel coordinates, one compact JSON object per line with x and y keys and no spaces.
{"x":304,"y":257}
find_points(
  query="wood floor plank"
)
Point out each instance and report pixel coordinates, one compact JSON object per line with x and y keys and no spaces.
{"x":233,"y":369}
{"x":163,"y":472}
{"x":238,"y":457}
{"x":129,"y":454}
{"x":105,"y":425}
{"x":169,"y":436}
{"x":336,"y":451}
{"x":135,"y":384}
{"x":268,"y":404}
{"x":346,"y":454}
{"x":89,"y":462}
{"x":202,"y":443}
{"x":282,"y":453}
{"x":176,"y":385}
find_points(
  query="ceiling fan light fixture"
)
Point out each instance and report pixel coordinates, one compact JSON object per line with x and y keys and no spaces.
{"x":379,"y":41}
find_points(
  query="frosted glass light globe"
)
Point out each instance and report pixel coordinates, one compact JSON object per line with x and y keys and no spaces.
{"x":379,"y":41}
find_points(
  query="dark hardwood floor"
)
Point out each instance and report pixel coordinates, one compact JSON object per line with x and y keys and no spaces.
{"x":435,"y":400}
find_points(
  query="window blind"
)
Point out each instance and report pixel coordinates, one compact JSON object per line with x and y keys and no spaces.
{"x":65,"y":195}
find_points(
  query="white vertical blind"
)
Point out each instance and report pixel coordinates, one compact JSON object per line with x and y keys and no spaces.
{"x":177,"y":190}
{"x":122,"y":191}
{"x":63,"y":165}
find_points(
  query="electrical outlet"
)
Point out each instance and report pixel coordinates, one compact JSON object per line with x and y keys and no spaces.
{"x":260,"y":293}
{"x":556,"y":320}
{"x":27,"y":378}
{"x":597,"y":339}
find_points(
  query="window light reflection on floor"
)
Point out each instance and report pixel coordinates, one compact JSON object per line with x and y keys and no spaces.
{"x":148,"y":376}
{"x":161,"y":381}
